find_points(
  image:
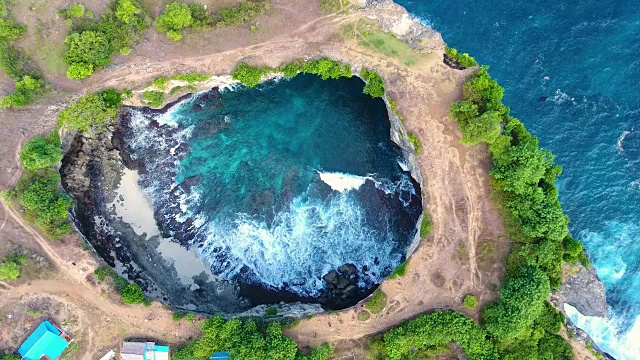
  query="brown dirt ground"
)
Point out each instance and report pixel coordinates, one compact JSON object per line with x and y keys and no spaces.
{"x":463,"y":255}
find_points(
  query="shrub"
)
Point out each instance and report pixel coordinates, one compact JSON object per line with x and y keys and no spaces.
{"x":73,"y":11}
{"x":374,"y":86}
{"x":89,"y":112}
{"x":271,"y":311}
{"x":290,"y":70}
{"x":247,"y":75}
{"x":44,"y":205}
{"x":245,"y":340}
{"x":9,"y":270}
{"x":41,"y":152}
{"x":377,"y":302}
{"x":464,"y":60}
{"x":178,"y":315}
{"x":435,"y":330}
{"x":191,"y":77}
{"x":246,"y":11}
{"x":153,"y":98}
{"x":415,"y":142}
{"x":425,"y":226}
{"x":325,"y":68}
{"x":10,"y":31}
{"x":572,"y":249}
{"x":27,"y":90}
{"x":176,"y":17}
{"x":470,"y":302}
{"x":191,"y":317}
{"x":93,"y":44}
{"x":132,"y":294}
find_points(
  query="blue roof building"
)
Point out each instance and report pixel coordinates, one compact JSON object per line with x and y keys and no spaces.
{"x":220,"y":356}
{"x":45,"y":340}
{"x":143,"y":351}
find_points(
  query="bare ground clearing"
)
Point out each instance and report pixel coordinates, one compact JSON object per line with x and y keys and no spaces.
{"x":464,"y":254}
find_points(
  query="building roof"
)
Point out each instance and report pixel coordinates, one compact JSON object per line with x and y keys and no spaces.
{"x":143,"y":351}
{"x":44,"y":340}
{"x":220,"y":356}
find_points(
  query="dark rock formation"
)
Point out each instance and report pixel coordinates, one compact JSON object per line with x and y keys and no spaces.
{"x":585,"y":292}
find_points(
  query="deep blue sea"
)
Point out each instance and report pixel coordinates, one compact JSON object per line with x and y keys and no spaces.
{"x":571,"y":73}
{"x":287,"y":182}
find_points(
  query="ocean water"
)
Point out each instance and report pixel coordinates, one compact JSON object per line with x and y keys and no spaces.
{"x":571,"y":73}
{"x":283,"y":183}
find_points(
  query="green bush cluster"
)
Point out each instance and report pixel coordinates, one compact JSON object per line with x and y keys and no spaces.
{"x":131,"y":293}
{"x":44,"y":204}
{"x":91,"y":45}
{"x":464,"y":60}
{"x":41,"y":152}
{"x":245,"y":339}
{"x":74,"y":10}
{"x":29,"y":82}
{"x":523,"y":176}
{"x":153,"y":98}
{"x":377,"y":302}
{"x":374,"y":86}
{"x":325,"y":68}
{"x":192,"y":77}
{"x":11,"y":265}
{"x":181,"y":16}
{"x":470,"y":302}
{"x":248,"y":75}
{"x":91,"y":112}
{"x":434,"y":331}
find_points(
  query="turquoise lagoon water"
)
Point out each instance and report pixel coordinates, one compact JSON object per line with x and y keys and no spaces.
{"x":571,"y":72}
{"x":283,"y":183}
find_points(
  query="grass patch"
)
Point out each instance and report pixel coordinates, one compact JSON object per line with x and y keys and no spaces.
{"x":369,"y":35}
{"x":377,"y":302}
{"x":415,"y":142}
{"x":73,"y":348}
{"x":399,"y":271}
{"x":364,"y":315}
{"x":131,"y":293}
{"x":426,"y":225}
{"x":33,"y":313}
{"x":153,"y":98}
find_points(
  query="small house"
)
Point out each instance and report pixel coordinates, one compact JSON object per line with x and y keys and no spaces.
{"x":45,"y":342}
{"x":143,"y":351}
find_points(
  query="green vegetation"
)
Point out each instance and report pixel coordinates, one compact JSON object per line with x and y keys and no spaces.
{"x":10,"y":267}
{"x":377,"y":302}
{"x":191,"y":317}
{"x":463,"y":60}
{"x":245,"y":339}
{"x":181,"y":16}
{"x":470,"y":302}
{"x":415,"y":142}
{"x":374,"y":86}
{"x":33,"y":313}
{"x":434,"y":331}
{"x":331,"y":6}
{"x":41,"y":152}
{"x":248,"y":75}
{"x":192,"y":77}
{"x":521,"y":322}
{"x":425,"y":226}
{"x":91,"y":45}
{"x":271,"y":311}
{"x":364,"y":315}
{"x":399,"y":271}
{"x":91,"y":112}
{"x":369,"y":35}
{"x":44,"y":205}
{"x":9,"y":356}
{"x":29,"y":81}
{"x":153,"y":98}
{"x":178,"y":315}
{"x":131,"y":293}
{"x":74,"y":10}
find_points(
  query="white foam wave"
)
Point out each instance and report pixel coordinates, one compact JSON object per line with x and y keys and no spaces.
{"x":606,"y":334}
{"x":620,"y":140}
{"x":304,"y":242}
{"x":343,"y":182}
{"x":561,"y":97}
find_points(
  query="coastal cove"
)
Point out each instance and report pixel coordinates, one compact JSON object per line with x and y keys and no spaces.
{"x":345,"y":184}
{"x":347,"y":195}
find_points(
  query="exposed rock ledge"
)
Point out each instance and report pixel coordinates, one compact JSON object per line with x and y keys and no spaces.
{"x":584,"y":291}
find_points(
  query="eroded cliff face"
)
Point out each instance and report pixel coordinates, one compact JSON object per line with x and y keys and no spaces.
{"x":584,"y":291}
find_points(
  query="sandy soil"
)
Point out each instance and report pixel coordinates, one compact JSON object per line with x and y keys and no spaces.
{"x":464,"y":254}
